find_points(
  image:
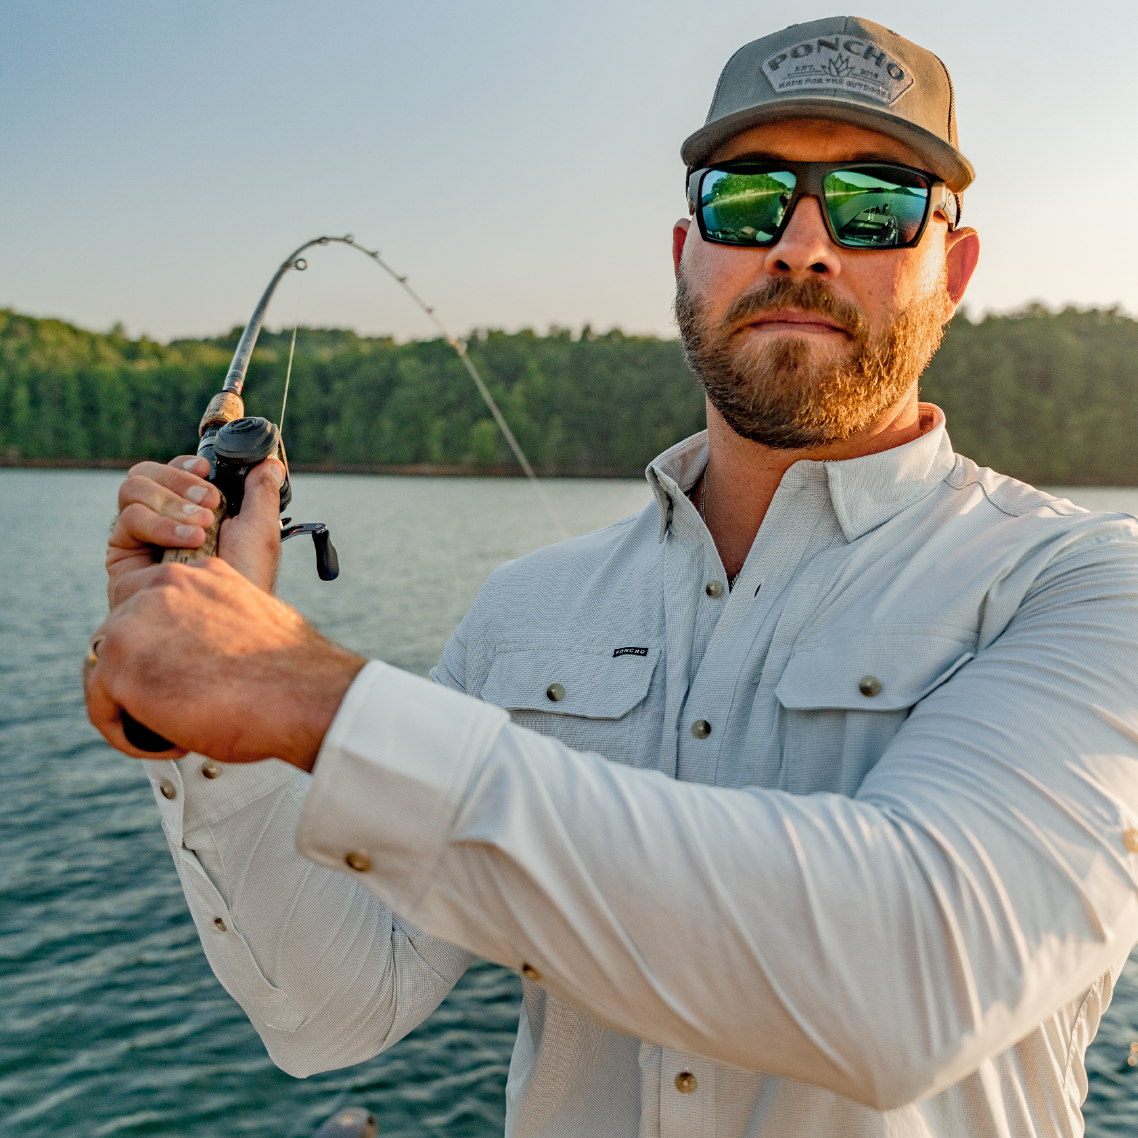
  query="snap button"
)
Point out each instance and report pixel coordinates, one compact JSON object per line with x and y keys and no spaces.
{"x":869,"y":685}
{"x":220,"y":925}
{"x":361,"y":863}
{"x":211,"y":769}
{"x":1130,"y":840}
{"x":168,"y":789}
{"x":685,"y":1082}
{"x":701,"y":728}
{"x":555,"y":692}
{"x":714,"y":588}
{"x":531,"y":973}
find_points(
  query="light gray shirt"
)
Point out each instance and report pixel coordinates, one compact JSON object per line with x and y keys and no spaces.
{"x":850,"y":849}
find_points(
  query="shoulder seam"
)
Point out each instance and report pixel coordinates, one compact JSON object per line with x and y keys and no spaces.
{"x":975,"y":480}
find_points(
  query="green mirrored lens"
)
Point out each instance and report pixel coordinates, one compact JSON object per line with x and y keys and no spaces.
{"x":876,"y":209}
{"x":745,"y":209}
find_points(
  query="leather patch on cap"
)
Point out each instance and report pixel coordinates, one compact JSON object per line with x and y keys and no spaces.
{"x":838,"y":64}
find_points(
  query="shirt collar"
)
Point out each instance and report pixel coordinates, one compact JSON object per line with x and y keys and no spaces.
{"x":865,"y":492}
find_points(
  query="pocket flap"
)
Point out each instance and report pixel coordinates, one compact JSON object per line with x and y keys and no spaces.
{"x":872,"y":669}
{"x":596,"y":683}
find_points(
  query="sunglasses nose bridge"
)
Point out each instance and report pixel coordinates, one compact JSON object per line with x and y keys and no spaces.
{"x":805,"y":246}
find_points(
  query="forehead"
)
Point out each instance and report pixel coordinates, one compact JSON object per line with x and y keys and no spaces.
{"x":815,"y":140}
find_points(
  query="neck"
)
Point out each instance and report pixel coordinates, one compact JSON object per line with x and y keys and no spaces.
{"x":742,"y":476}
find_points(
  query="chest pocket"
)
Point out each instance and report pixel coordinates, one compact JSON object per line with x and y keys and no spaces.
{"x":843,"y":699}
{"x":589,"y":698}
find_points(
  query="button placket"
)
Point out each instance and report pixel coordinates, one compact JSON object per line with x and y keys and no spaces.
{"x":687,"y":1096}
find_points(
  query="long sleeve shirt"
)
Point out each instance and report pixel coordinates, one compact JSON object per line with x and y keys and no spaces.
{"x":848,"y":849}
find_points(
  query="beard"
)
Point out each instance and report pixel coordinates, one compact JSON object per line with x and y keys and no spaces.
{"x":784,"y":393}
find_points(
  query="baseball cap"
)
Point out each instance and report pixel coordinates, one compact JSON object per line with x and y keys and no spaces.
{"x":846,"y":69}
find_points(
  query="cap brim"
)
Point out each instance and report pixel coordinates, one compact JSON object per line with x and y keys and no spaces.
{"x":938,"y":156}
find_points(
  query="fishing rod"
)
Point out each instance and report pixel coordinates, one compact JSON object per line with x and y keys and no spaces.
{"x":234,"y":443}
{"x":459,"y":347}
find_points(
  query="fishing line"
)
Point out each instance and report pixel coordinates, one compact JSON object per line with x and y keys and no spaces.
{"x":459,"y":347}
{"x":300,"y":264}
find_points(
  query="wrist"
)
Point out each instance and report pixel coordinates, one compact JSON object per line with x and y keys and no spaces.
{"x":327,"y":676}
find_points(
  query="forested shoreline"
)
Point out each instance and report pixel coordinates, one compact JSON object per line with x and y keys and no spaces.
{"x":1051,"y":398}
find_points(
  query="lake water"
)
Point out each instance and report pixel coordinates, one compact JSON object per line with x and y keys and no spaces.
{"x":111,"y":1022}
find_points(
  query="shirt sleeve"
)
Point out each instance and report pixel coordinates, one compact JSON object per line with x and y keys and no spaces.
{"x":881,"y":946}
{"x":327,"y":974}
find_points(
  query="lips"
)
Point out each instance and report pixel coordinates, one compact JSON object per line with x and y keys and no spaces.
{"x":795,"y":320}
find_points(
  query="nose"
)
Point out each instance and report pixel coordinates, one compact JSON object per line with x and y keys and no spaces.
{"x":805,"y":248}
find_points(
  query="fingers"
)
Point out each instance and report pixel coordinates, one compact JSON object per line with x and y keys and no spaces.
{"x":251,"y":542}
{"x":183,"y":476}
{"x":167,"y":506}
{"x":105,"y":713}
{"x":201,"y":656}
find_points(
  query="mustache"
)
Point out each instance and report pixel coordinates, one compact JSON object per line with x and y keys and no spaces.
{"x":805,"y":295}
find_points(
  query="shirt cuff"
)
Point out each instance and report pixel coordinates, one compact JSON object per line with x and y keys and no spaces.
{"x":390,"y":779}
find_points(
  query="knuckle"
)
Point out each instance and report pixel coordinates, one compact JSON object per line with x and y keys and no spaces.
{"x":171,"y":574}
{"x":133,"y":487}
{"x":134,"y":517}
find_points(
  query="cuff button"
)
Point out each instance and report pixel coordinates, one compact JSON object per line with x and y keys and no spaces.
{"x":361,"y":863}
{"x":168,"y":789}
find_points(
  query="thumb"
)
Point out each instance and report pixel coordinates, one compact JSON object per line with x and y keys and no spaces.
{"x":251,"y":541}
{"x":262,"y":501}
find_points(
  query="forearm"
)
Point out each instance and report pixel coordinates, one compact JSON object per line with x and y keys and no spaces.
{"x":325,"y":972}
{"x":881,"y":946}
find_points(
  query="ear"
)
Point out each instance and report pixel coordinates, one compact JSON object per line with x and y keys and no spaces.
{"x":962,"y":251}
{"x":679,"y":237}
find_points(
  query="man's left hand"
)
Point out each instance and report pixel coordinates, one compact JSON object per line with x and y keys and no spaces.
{"x":215,"y":664}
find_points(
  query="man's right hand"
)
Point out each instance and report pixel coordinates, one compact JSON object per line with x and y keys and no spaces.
{"x":170,"y":507}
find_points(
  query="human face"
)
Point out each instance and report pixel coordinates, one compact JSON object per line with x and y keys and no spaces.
{"x":825,"y":337}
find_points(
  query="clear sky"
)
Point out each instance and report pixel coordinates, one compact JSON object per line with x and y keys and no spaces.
{"x":519,"y":160}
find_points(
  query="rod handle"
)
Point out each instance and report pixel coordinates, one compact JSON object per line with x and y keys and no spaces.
{"x":208,"y":548}
{"x":140,"y":736}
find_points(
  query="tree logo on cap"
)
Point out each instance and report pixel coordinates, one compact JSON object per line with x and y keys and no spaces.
{"x":838,"y":64}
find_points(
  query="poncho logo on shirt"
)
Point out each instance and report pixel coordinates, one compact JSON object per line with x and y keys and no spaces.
{"x":629,"y":652}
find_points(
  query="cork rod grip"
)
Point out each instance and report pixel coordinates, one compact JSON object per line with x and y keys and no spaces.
{"x":208,"y":548}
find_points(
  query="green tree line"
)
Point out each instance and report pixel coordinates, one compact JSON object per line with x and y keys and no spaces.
{"x":1047,"y":397}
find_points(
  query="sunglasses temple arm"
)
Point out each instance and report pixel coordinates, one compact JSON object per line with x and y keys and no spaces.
{"x":948,"y":203}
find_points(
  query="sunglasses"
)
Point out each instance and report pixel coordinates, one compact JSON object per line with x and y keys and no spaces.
{"x":866,"y":205}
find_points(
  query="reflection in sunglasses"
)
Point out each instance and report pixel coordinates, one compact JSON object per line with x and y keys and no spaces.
{"x":864,"y":207}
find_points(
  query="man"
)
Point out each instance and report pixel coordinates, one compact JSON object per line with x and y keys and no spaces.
{"x":818,"y":810}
